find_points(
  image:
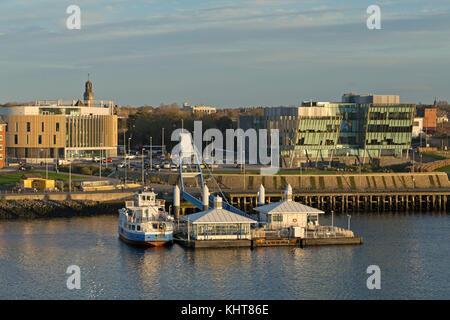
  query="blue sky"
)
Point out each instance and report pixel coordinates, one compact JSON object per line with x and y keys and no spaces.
{"x":225,"y":53}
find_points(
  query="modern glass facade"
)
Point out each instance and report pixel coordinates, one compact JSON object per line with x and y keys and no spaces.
{"x":338,"y":129}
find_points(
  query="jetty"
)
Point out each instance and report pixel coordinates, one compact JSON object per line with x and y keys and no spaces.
{"x":356,"y":201}
{"x":285,"y":223}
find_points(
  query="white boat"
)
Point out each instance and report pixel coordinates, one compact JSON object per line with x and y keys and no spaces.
{"x":145,"y":221}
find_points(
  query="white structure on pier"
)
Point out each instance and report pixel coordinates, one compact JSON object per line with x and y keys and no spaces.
{"x":288,"y":213}
{"x":218,"y":224}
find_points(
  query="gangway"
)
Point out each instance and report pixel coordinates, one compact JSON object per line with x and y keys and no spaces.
{"x":187,"y":144}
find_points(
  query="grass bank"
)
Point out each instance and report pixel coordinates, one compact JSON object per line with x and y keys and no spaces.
{"x":13,"y":178}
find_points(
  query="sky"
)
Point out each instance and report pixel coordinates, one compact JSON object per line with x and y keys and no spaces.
{"x":224,"y":53}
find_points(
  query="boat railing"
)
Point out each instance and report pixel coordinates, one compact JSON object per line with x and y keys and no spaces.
{"x":264,"y":233}
{"x":329,"y":232}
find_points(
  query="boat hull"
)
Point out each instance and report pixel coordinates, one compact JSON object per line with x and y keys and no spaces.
{"x":145,"y":243}
{"x":149,"y":240}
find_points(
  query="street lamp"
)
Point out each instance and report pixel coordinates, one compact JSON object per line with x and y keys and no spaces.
{"x":100,"y":167}
{"x":151,"y":154}
{"x":129,"y":141}
{"x":332,"y":219}
{"x":70,"y":175}
{"x":142,"y":167}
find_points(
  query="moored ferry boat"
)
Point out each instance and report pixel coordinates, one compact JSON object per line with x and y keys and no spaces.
{"x":145,"y":221}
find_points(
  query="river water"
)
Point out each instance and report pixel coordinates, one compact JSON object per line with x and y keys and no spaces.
{"x":412,"y":251}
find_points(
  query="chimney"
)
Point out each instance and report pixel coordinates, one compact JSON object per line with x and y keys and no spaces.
{"x":261,"y":195}
{"x":176,"y":201}
{"x":217,"y":202}
{"x":288,"y":193}
{"x":205,"y":197}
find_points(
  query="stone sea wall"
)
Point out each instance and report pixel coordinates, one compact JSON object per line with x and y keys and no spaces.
{"x":33,"y":209}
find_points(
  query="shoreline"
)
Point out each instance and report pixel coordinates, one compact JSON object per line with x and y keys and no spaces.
{"x":42,"y":209}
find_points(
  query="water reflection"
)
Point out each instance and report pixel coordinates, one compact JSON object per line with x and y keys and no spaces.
{"x":412,"y":251}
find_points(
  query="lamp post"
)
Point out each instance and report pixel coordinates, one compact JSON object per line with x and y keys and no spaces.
{"x":332,"y":219}
{"x":413,"y":169}
{"x":129,"y":160}
{"x":70,"y":175}
{"x":125,"y":157}
{"x":162,"y":142}
{"x":142,"y":168}
{"x":348,"y":223}
{"x":243,"y":164}
{"x":151,"y":154}
{"x":101,"y":160}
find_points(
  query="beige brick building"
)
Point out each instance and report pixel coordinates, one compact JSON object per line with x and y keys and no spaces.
{"x":61,"y":130}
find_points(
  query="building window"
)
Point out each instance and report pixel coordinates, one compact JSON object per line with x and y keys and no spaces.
{"x":17,"y":127}
{"x":1,"y":137}
{"x":277,"y":217}
{"x":28,"y":127}
{"x":39,"y":139}
{"x":54,"y":139}
{"x":1,"y":156}
{"x":16,"y":139}
{"x":42,"y":127}
{"x":28,"y":139}
{"x":6,"y":129}
{"x":57,"y":127}
{"x":1,"y":147}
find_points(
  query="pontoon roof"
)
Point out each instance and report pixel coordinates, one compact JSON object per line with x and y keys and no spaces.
{"x":287,"y":206}
{"x":217,"y":216}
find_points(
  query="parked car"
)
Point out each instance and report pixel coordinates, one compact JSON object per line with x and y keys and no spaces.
{"x":130,"y":156}
{"x":96,"y":159}
{"x":107,"y":160}
{"x":26,"y":167}
{"x":122,"y":165}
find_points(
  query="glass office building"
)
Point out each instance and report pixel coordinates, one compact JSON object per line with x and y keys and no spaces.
{"x":369,"y":126}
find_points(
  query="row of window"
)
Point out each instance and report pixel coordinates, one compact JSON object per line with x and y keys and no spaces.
{"x":391,"y":115}
{"x":388,"y":128}
{"x":133,"y":227}
{"x":29,"y":127}
{"x":220,"y":229}
{"x":16,"y":139}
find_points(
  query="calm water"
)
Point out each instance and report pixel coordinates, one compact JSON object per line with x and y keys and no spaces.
{"x":413,"y":252}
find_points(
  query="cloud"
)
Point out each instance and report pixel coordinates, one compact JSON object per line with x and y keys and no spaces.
{"x":246,"y":39}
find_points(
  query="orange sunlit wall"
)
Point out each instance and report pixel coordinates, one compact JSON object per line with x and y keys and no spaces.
{"x":429,"y":119}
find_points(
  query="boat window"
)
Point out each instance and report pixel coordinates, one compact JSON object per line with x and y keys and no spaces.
{"x":132,"y":227}
{"x":155,"y":226}
{"x":138,"y":228}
